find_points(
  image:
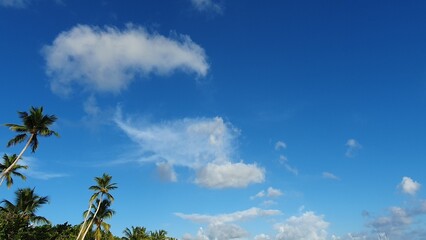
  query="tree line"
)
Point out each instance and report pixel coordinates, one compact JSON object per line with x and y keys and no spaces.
{"x":19,"y":219}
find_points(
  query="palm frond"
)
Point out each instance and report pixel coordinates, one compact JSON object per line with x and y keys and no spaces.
{"x":17,"y":139}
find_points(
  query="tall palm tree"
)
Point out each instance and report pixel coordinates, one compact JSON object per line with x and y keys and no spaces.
{"x":136,"y":233}
{"x":99,"y":215}
{"x":35,"y":124}
{"x":26,"y":205}
{"x":7,"y":161}
{"x":101,"y":189}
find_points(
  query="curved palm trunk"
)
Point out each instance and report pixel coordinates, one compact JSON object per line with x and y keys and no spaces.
{"x":93,"y":218}
{"x":85,"y":220}
{"x":3,"y":174}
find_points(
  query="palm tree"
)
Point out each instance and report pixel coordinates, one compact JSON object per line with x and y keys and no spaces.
{"x":7,"y":161}
{"x":99,"y":215}
{"x":35,"y":124}
{"x":136,"y":233}
{"x":159,"y":235}
{"x":26,"y":205}
{"x":102,"y":189}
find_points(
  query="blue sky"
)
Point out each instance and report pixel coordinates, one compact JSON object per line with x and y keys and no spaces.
{"x":225,"y":119}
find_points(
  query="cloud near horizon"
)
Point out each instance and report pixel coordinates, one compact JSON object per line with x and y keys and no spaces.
{"x":205,"y":145}
{"x":107,"y":59}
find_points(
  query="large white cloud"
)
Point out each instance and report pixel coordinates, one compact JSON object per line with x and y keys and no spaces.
{"x":409,"y":186}
{"x":206,"y":145}
{"x":308,"y":226}
{"x":107,"y":59}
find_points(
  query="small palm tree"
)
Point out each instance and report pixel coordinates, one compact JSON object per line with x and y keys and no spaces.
{"x":136,"y":233}
{"x":98,"y":217}
{"x":35,"y":124}
{"x":26,"y":205}
{"x":101,"y":189}
{"x":7,"y":162}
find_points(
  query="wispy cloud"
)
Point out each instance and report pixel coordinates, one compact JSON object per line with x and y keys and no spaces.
{"x":108,"y":59}
{"x":280,"y":145}
{"x":353,"y":147}
{"x":207,"y":5}
{"x":270,"y":192}
{"x":328,"y":175}
{"x":34,"y":170}
{"x":206,"y":145}
{"x":14,"y":3}
{"x":409,"y":186}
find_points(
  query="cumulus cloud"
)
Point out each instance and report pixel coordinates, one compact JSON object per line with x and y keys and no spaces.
{"x":14,"y":3}
{"x":280,"y":145}
{"x":409,"y":186}
{"x":206,"y":145}
{"x":108,"y":59}
{"x":229,"y":175}
{"x":223,"y":226}
{"x":207,"y":5}
{"x":262,"y":237}
{"x":353,"y":147}
{"x":308,"y":226}
{"x":328,"y":175}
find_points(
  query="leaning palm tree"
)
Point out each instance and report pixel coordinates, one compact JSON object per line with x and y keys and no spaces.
{"x":7,"y":161}
{"x":35,"y":124}
{"x":102,"y":189}
{"x":26,"y":205}
{"x":98,"y":215}
{"x":136,"y":233}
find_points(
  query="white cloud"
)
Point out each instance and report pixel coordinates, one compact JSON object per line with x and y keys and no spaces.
{"x":91,"y":107}
{"x":353,"y":147}
{"x":229,"y":175}
{"x":280,"y":145}
{"x":409,"y":186}
{"x":229,"y":217}
{"x":206,"y":145}
{"x":108,"y":59}
{"x":291,"y":169}
{"x":262,"y":237}
{"x":207,"y":5}
{"x":308,"y":226}
{"x":223,"y":226}
{"x":166,"y":172}
{"x":270,"y":192}
{"x":328,"y":175}
{"x":14,"y":3}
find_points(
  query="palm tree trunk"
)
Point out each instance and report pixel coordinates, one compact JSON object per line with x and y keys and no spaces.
{"x":3,"y":174}
{"x":93,"y":218}
{"x":85,"y":220}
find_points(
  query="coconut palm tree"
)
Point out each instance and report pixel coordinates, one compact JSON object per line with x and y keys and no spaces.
{"x":35,"y":124}
{"x":136,"y":233}
{"x":98,"y":215}
{"x":159,"y":235}
{"x":7,"y":161}
{"x":102,"y":189}
{"x":26,"y":205}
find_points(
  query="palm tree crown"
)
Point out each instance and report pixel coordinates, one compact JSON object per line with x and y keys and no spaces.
{"x":99,"y":216}
{"x":35,"y":124}
{"x":7,"y":162}
{"x":136,"y":233}
{"x":26,"y":204}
